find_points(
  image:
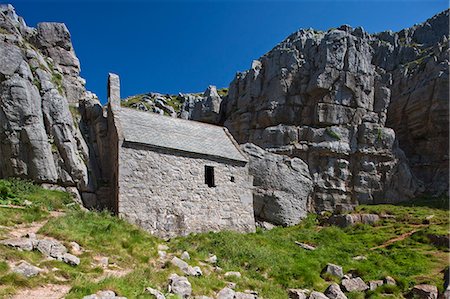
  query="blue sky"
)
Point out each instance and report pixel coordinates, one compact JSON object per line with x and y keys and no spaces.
{"x":184,"y":46}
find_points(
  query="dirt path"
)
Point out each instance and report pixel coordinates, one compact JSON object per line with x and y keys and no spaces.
{"x":21,"y":230}
{"x":49,"y":291}
{"x":399,"y":238}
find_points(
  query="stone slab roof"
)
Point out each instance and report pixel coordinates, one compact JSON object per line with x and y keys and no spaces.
{"x":178,"y":134}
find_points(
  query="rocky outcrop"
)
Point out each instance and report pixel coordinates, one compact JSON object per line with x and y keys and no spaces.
{"x":40,"y":88}
{"x":325,"y":97}
{"x":282,"y":186}
{"x":419,"y":108}
{"x":207,"y":108}
{"x":39,"y":138}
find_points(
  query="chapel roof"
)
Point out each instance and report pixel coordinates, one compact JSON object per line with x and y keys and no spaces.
{"x":177,"y":134}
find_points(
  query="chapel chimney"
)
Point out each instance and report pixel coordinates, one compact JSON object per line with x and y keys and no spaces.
{"x":114,"y":91}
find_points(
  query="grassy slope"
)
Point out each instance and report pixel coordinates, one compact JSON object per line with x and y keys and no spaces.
{"x":269,"y":260}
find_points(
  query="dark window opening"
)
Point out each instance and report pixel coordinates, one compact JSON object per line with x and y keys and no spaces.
{"x":209,"y":176}
{"x":232,"y":179}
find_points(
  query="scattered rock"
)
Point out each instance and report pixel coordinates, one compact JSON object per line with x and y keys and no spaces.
{"x":439,"y":240}
{"x":334,"y":270}
{"x":298,"y":293}
{"x":425,"y":291}
{"x":369,"y":218}
{"x":163,"y":247}
{"x":233,"y":273}
{"x":51,"y":248}
{"x":305,"y":246}
{"x":104,"y":261}
{"x":70,"y":259}
{"x":188,"y":270}
{"x":231,"y":285}
{"x":19,"y":243}
{"x":374,"y":284}
{"x":162,"y":254}
{"x":104,"y":295}
{"x":390,"y":280}
{"x":226,"y":293}
{"x":157,"y":294}
{"x":26,"y":269}
{"x":352,"y":219}
{"x":31,"y":236}
{"x":212,"y":259}
{"x":334,"y":292}
{"x":75,"y":248}
{"x":240,"y":295}
{"x":180,"y":286}
{"x":360,"y":258}
{"x":264,"y":225}
{"x":185,"y":256}
{"x":354,"y":285}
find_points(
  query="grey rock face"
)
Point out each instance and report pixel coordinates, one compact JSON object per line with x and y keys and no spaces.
{"x":51,"y":248}
{"x":335,"y":292}
{"x":425,"y":291}
{"x":180,"y":286}
{"x":208,"y":108}
{"x":25,"y":244}
{"x":186,"y":268}
{"x":298,"y":293}
{"x":39,"y":80}
{"x":317,"y":295}
{"x":241,"y":295}
{"x":374,"y":284}
{"x":157,"y":294}
{"x":354,"y":285}
{"x":70,"y":259}
{"x":281,"y":186}
{"x":325,"y":97}
{"x":26,"y":269}
{"x":104,"y":295}
{"x":352,"y":219}
{"x":334,"y":270}
{"x":226,"y":293}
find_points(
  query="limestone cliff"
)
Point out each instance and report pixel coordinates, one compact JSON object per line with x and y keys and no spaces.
{"x":367,"y":114}
{"x":336,"y":99}
{"x":40,"y":88}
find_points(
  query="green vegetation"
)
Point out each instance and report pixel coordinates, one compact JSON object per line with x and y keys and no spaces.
{"x":4,"y":31}
{"x":332,"y":133}
{"x":270,"y":261}
{"x":379,"y":134}
{"x":128,"y":102}
{"x":76,"y":116}
{"x":176,"y":103}
{"x":222,"y":92}
{"x":57,"y":80}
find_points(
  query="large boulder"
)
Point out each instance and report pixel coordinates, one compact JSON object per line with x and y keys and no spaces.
{"x":282,"y":186}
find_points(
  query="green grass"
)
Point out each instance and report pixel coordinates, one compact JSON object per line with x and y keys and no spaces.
{"x":18,"y":192}
{"x":175,"y":102}
{"x":270,"y":261}
{"x":125,"y":244}
{"x":128,"y":102}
